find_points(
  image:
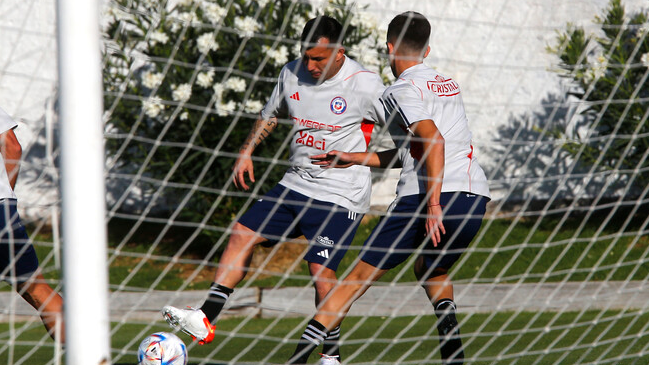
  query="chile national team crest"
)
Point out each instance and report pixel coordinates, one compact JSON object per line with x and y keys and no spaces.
{"x":338,"y":105}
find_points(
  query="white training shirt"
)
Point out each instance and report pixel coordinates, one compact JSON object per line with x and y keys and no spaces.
{"x":421,"y":93}
{"x":327,"y":117}
{"x":6,"y":123}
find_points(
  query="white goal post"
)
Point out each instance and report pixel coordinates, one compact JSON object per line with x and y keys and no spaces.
{"x":83,"y":190}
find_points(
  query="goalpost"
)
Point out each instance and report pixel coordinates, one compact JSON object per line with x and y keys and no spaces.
{"x":83,"y":193}
{"x":557,"y":102}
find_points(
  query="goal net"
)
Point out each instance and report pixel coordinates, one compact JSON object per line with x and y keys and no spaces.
{"x":557,"y":100}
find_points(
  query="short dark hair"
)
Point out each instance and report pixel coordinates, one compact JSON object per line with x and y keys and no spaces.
{"x":322,"y":26}
{"x":410,"y":30}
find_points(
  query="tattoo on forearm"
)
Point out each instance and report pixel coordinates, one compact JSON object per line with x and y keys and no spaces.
{"x":260,"y":131}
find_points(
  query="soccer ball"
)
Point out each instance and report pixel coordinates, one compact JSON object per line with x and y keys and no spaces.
{"x":162,"y":348}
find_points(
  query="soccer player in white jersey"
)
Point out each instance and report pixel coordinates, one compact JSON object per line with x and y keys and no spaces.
{"x":441,"y":194}
{"x":18,"y":260}
{"x":330,"y":100}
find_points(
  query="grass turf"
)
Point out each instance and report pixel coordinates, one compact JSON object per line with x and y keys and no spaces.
{"x":507,"y":250}
{"x":609,"y":337}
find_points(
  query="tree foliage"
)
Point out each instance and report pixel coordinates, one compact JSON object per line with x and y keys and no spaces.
{"x":609,"y":71}
{"x":184,"y":82}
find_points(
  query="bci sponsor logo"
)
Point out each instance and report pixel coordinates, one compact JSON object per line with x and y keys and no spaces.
{"x":308,"y":140}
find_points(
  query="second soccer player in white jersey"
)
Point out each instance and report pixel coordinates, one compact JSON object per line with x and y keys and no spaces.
{"x":441,"y":194}
{"x":330,"y":100}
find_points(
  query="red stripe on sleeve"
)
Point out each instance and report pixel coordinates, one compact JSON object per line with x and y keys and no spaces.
{"x":367,"y":126}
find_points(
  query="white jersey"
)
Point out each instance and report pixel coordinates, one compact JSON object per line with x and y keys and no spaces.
{"x":6,"y":123}
{"x":421,"y":93}
{"x":325,"y":117}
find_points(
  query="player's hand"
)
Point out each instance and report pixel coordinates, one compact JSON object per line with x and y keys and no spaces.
{"x":434,"y":226}
{"x":242,"y":166}
{"x":333,"y":159}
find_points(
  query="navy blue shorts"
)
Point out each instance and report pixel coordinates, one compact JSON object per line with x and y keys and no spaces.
{"x":18,"y":259}
{"x":403,"y":231}
{"x":283,"y":214}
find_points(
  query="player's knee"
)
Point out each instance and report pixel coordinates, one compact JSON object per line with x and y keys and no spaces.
{"x":243,"y":237}
{"x":423,"y":272}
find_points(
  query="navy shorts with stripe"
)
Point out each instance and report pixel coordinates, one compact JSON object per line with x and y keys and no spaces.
{"x":18,"y":259}
{"x":403,"y":231}
{"x":283,"y":214}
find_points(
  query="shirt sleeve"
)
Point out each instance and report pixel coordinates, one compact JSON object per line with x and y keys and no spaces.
{"x":405,"y":103}
{"x":375,"y":111}
{"x":6,"y":123}
{"x":276,"y":105}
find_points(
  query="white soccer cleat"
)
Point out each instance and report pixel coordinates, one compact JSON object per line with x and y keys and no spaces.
{"x":192,"y":321}
{"x":329,"y":360}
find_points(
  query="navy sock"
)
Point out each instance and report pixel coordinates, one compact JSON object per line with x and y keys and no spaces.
{"x":330,"y":346}
{"x":215,"y":301}
{"x":449,"y":333}
{"x":313,"y":336}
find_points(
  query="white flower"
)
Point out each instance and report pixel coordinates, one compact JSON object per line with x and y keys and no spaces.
{"x":364,"y":20}
{"x":181,"y":92}
{"x":213,"y":12}
{"x":225,"y":109}
{"x":236,"y":84}
{"x":247,"y":26}
{"x":159,"y":37}
{"x":298,"y":24}
{"x":152,"y":80}
{"x":185,"y":2}
{"x":262,"y":3}
{"x":323,"y":7}
{"x":279,"y":56}
{"x":206,"y":43}
{"x":297,"y":49}
{"x":645,"y":59}
{"x":366,"y":55}
{"x":184,"y":116}
{"x":218,"y":91}
{"x":644,"y":28}
{"x":253,"y":106}
{"x":150,"y":3}
{"x":153,"y":106}
{"x":188,"y":18}
{"x":599,"y":67}
{"x":204,"y":79}
{"x":117,"y":14}
{"x":183,"y":19}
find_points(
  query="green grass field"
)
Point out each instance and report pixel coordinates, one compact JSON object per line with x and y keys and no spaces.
{"x":502,"y":338}
{"x":528,"y":250}
{"x":519,"y":251}
{"x":515,"y":251}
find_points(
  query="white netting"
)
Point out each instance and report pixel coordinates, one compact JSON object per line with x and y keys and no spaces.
{"x":557,"y":275}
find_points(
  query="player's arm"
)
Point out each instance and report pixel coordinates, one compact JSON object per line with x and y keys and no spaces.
{"x":340,"y":159}
{"x":11,"y":153}
{"x":433,"y":145}
{"x":260,"y":130}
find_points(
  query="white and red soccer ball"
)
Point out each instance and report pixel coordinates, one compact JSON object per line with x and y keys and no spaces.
{"x":162,"y":348}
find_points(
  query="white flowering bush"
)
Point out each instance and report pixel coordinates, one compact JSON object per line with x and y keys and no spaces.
{"x":609,"y":73}
{"x":185,"y":80}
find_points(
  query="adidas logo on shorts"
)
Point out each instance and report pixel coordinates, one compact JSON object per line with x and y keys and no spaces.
{"x":324,"y":253}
